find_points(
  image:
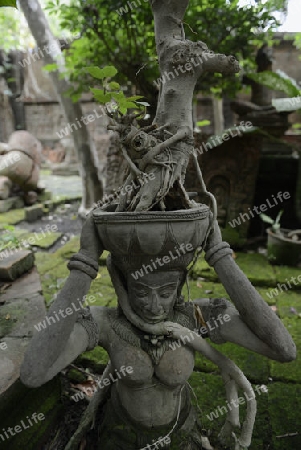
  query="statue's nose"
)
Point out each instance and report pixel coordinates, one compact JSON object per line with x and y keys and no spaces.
{"x":154,"y":306}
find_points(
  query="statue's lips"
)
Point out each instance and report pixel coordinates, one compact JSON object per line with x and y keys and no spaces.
{"x":153,"y":319}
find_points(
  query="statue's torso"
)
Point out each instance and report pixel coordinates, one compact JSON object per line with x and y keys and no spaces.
{"x":155,"y":384}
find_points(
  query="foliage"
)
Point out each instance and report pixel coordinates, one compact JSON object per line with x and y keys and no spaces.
{"x":115,"y":33}
{"x":275,"y":223}
{"x":15,"y":33}
{"x":7,"y":238}
{"x":12,"y":3}
{"x":278,"y":81}
{"x":112,"y":92}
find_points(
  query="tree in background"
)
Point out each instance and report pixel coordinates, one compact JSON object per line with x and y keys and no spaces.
{"x":87,"y":156}
{"x":121,"y":33}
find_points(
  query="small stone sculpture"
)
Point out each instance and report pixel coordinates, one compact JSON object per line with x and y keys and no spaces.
{"x":20,"y":161}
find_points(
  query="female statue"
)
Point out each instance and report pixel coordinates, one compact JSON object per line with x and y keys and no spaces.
{"x":149,"y":405}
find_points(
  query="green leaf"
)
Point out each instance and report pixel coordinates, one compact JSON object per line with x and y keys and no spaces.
{"x":266,"y":219}
{"x":125,"y":103}
{"x":110,"y":71}
{"x":113,"y":85}
{"x":143,"y":103}
{"x":50,"y":67}
{"x":134,"y":98}
{"x":100,"y":95}
{"x":203,"y":123}
{"x":100,"y":74}
{"x":12,"y":3}
{"x":118,"y":96}
{"x":123,"y":109}
{"x":96,"y":72}
{"x":277,"y":220}
{"x":277,"y":81}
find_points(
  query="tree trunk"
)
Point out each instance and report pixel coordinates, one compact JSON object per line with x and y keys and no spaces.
{"x":85,"y":148}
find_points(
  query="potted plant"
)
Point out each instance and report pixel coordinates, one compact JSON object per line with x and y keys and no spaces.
{"x":284,"y":246}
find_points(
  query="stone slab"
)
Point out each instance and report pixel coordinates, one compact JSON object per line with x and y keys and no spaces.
{"x":17,"y":318}
{"x":16,"y":264}
{"x":34,"y":212}
{"x":24,"y":287}
{"x":11,"y":203}
{"x":10,"y":361}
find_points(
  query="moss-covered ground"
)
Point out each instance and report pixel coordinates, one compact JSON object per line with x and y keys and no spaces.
{"x":278,"y":418}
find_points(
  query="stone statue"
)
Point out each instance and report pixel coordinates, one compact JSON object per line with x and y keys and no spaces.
{"x":153,"y":401}
{"x":153,"y":232}
{"x":20,"y":161}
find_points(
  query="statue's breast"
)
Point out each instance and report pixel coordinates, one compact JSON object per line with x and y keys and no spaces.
{"x":175,"y":366}
{"x":173,"y":369}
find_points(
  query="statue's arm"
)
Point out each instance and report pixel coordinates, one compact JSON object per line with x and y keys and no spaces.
{"x":55,"y":346}
{"x":255,"y":319}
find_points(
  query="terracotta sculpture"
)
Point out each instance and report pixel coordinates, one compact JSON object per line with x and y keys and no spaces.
{"x":153,"y":234}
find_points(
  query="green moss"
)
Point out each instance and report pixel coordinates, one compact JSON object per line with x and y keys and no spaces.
{"x":289,"y":372}
{"x":76,"y":376}
{"x":69,"y":249}
{"x":22,"y":403}
{"x":233,"y":237}
{"x":41,"y":240}
{"x":202,"y":269}
{"x":289,"y":305}
{"x":44,"y":196}
{"x":284,"y":274}
{"x":256,"y":268}
{"x":95,"y":359}
{"x":12,"y":217}
{"x":285,"y":415}
{"x":205,"y":289}
{"x":210,"y":395}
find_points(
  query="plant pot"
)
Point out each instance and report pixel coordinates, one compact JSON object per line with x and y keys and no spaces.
{"x":282,"y":250}
{"x":137,"y":238}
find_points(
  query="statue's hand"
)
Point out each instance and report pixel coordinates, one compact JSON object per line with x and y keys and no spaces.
{"x":175,"y":330}
{"x":90,"y":243}
{"x":214,"y":237}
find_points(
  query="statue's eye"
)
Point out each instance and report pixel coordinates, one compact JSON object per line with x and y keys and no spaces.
{"x":165,"y":294}
{"x":141,"y":293}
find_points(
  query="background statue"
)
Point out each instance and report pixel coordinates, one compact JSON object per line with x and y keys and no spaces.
{"x":20,"y":162}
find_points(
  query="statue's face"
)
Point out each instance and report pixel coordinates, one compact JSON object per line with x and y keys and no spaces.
{"x":153,"y":296}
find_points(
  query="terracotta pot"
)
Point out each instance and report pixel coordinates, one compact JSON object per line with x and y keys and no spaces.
{"x":281,"y":249}
{"x":135,"y":238}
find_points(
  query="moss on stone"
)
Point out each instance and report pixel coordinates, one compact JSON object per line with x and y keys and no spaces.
{"x":285,"y":415}
{"x":41,"y":240}
{"x":70,"y":248}
{"x":95,"y":359}
{"x":12,"y":217}
{"x":22,"y":403}
{"x":76,"y":376}
{"x":203,"y":270}
{"x":289,"y":372}
{"x":211,"y":397}
{"x":284,"y":274}
{"x":289,"y":305}
{"x":256,"y":268}
{"x":204,"y":289}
